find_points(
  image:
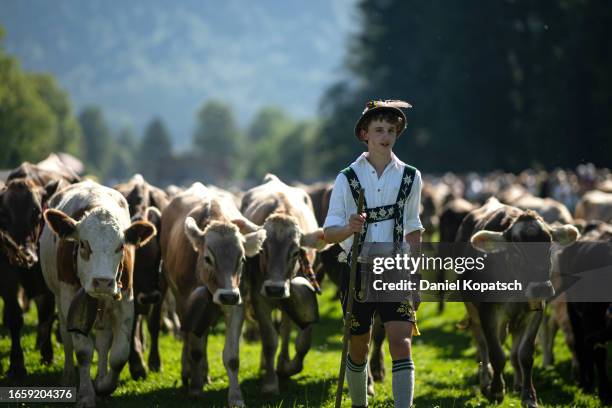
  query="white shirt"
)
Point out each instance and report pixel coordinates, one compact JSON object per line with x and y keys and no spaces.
{"x":378,"y":192}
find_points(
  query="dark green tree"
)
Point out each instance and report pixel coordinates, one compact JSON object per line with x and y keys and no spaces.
{"x":155,"y":151}
{"x":216,"y":140}
{"x":98,"y":143}
{"x":28,"y":127}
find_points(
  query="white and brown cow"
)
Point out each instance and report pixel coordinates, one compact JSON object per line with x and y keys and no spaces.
{"x":278,"y":275}
{"x":518,"y":244}
{"x":87,"y":251}
{"x":204,"y":242}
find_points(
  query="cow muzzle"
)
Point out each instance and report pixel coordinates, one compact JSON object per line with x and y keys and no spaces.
{"x":103,"y":287}
{"x":227,"y":297}
{"x":149,"y":298}
{"x":540,"y":290}
{"x":276,"y":289}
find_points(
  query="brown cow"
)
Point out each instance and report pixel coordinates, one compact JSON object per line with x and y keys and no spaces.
{"x":22,"y":201}
{"x":491,"y":229}
{"x":146,"y":202}
{"x":595,"y":205}
{"x":204,"y":252}
{"x":277,"y":275}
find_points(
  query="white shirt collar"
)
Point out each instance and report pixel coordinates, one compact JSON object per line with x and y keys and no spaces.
{"x":395,"y":162}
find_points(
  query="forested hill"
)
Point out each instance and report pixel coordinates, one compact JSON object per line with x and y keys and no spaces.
{"x":140,"y":58}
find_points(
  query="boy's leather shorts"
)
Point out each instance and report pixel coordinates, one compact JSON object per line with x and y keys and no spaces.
{"x":363,"y":313}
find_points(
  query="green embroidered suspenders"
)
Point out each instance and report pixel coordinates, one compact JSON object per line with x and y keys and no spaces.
{"x":384,"y":212}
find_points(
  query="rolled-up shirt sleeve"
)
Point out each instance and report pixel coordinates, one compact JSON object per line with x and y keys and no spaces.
{"x":336,"y":214}
{"x":412,"y":221}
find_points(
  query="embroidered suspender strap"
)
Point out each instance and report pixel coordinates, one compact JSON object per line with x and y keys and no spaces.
{"x":355,"y":186}
{"x":402,"y":197}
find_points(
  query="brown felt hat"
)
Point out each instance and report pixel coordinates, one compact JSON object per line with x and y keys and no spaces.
{"x":373,"y":107}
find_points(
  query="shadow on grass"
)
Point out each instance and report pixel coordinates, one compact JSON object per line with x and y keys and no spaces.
{"x":293,"y":393}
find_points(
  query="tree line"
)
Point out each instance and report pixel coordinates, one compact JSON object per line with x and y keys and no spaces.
{"x":503,"y":84}
{"x":37,"y":118}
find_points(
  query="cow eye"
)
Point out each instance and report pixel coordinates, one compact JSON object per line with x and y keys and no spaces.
{"x":208,"y":259}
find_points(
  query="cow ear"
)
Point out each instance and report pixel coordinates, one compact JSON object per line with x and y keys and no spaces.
{"x":254,"y":241}
{"x":139,"y":233}
{"x":489,"y":241}
{"x":315,"y":239}
{"x":565,"y":234}
{"x":194,"y":233}
{"x":60,"y":223}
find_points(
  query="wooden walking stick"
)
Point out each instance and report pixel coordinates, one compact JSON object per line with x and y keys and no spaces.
{"x":349,"y":305}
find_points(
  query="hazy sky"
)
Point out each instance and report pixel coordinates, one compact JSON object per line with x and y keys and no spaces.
{"x":138,"y":59}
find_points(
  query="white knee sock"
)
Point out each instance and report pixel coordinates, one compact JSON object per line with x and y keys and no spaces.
{"x":403,"y":382}
{"x":357,"y":380}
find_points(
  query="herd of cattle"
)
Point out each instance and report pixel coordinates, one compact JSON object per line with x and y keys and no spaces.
{"x":102,"y":260}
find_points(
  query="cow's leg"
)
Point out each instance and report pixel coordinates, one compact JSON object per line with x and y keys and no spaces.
{"x":269,"y":341}
{"x":485,"y":371}
{"x":377,"y":358}
{"x":197,"y":363}
{"x":531,"y":323}
{"x":234,"y":317}
{"x":548,"y":330}
{"x":13,"y":318}
{"x":490,"y":330}
{"x":600,"y":355}
{"x":585,"y":380}
{"x":185,"y":361}
{"x":136,"y":361}
{"x":122,"y":320}
{"x":154,"y":325}
{"x":68,"y":374}
{"x":303,"y":341}
{"x":103,"y":342}
{"x":282,"y":362}
{"x":45,"y":304}
{"x":517,"y":384}
{"x":83,"y":347}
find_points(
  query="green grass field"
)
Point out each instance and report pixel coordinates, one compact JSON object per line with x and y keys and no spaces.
{"x":444,"y":358}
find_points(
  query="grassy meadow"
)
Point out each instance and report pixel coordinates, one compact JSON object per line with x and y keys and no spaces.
{"x":444,"y":358}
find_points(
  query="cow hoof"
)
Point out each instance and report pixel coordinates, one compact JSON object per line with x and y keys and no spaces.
{"x":529,"y":403}
{"x":496,"y":396}
{"x":154,"y":364}
{"x":105,"y":386}
{"x":378,"y":374}
{"x":235,"y":401}
{"x":86,"y":402}
{"x":270,"y":387}
{"x":138,"y":372}
{"x":195,"y":393}
{"x":16,"y":372}
{"x":371,"y":391}
{"x":46,"y":356}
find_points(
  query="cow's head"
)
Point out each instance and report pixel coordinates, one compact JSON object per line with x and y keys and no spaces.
{"x":146,"y":267}
{"x":221,"y":249}
{"x":531,"y":262}
{"x":138,"y":197}
{"x":21,"y":205}
{"x":102,"y":246}
{"x":279,"y":259}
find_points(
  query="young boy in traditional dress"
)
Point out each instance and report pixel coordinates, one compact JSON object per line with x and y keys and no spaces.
{"x":392,"y":201}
